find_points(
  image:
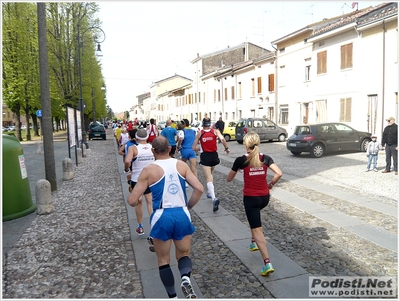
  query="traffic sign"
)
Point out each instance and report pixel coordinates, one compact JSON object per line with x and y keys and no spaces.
{"x":39,"y":113}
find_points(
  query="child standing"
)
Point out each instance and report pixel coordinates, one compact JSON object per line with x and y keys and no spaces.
{"x":372,"y":152}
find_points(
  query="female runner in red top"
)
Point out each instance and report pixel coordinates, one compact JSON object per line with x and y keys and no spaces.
{"x":256,"y":191}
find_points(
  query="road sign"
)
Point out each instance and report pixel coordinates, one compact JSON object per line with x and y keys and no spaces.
{"x":39,"y":113}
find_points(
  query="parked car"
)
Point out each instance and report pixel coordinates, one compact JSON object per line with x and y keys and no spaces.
{"x":5,"y":128}
{"x":161,"y":125}
{"x":229,"y":130}
{"x":321,"y":138}
{"x":96,"y":130}
{"x":265,"y":128}
{"x":23,"y":127}
{"x":11,"y":128}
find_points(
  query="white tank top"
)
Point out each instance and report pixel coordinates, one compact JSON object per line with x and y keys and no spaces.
{"x":143,"y":158}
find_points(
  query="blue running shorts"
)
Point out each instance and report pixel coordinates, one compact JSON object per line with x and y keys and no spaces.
{"x":171,"y":223}
{"x":188,"y":153}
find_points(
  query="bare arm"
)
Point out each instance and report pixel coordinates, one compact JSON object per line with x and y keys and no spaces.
{"x":198,"y":188}
{"x":231,"y":175}
{"x":222,"y":140}
{"x":139,"y":189}
{"x":121,"y":150}
{"x":277,"y":175}
{"x":196,"y":141}
{"x":132,"y":152}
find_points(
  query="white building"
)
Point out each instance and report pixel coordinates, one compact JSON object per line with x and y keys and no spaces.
{"x":342,"y":69}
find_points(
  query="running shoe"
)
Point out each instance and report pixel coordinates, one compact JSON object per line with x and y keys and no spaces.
{"x":253,"y":247}
{"x":151,"y":243}
{"x":187,"y":288}
{"x":267,"y":269}
{"x":215,"y":205}
{"x":375,"y":170}
{"x":209,"y":196}
{"x":140,"y":230}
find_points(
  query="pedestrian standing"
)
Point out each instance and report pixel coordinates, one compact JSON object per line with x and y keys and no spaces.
{"x":372,"y":152}
{"x":256,"y":191}
{"x":139,"y":156}
{"x":220,"y":125}
{"x":171,"y":134}
{"x":209,"y":156}
{"x":171,"y":220}
{"x":185,"y":141}
{"x":389,"y":144}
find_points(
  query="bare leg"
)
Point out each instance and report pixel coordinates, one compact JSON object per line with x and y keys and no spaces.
{"x":261,"y":242}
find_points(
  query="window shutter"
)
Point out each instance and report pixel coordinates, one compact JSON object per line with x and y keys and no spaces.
{"x":271,"y":82}
{"x":259,"y":89}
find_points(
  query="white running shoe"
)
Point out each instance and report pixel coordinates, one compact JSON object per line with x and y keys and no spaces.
{"x":187,"y":288}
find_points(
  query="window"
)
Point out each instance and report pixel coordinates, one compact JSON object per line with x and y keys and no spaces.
{"x":346,"y":56}
{"x":321,"y":62}
{"x":271,"y":82}
{"x":226,"y":94}
{"x":259,"y":88}
{"x":271,"y":113}
{"x":252,"y":87}
{"x":284,"y":114}
{"x":240,"y":90}
{"x":215,"y":95}
{"x":345,"y":110}
{"x":321,"y":110}
{"x":233,"y":92}
{"x":219,"y":95}
{"x":307,"y":73}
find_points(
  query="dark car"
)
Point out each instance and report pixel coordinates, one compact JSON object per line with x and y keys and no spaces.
{"x":96,"y":130}
{"x":265,"y":128}
{"x":318,"y":139}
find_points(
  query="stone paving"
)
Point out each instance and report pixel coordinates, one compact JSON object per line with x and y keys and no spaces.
{"x":83,"y":249}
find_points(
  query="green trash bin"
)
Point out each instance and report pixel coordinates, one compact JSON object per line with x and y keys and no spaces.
{"x":17,"y":197}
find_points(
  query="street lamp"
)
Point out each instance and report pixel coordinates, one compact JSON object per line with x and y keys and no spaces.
{"x":98,"y":38}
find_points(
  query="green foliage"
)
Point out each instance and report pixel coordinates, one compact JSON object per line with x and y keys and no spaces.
{"x":20,"y":62}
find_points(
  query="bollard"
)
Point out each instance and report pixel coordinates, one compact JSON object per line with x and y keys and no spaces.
{"x":68,"y":171}
{"x":79,"y":151}
{"x":44,"y":201}
{"x":38,"y":147}
{"x":87,"y":152}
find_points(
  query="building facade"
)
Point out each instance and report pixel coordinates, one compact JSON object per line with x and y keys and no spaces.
{"x":342,"y":69}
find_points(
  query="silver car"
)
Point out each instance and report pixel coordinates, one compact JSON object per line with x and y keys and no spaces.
{"x":265,"y":128}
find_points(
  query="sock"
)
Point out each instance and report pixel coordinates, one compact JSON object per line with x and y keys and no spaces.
{"x":266,"y":260}
{"x":185,"y":266}
{"x":167,"y":278}
{"x":252,"y":240}
{"x":210,"y":187}
{"x":140,"y":225}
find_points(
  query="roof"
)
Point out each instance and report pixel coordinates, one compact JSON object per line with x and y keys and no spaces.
{"x":346,"y":19}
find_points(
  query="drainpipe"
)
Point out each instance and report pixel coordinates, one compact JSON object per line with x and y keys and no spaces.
{"x":276,"y":84}
{"x":383,"y":72}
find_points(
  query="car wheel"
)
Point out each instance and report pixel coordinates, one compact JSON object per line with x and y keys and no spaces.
{"x":227,"y":138}
{"x":240,"y":141}
{"x":296,"y":153}
{"x":317,"y":150}
{"x":364,"y":145}
{"x":282,"y":137}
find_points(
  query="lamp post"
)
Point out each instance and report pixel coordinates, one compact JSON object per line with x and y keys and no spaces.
{"x":97,"y":39}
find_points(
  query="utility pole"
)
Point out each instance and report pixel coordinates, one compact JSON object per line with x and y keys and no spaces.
{"x":47,"y":121}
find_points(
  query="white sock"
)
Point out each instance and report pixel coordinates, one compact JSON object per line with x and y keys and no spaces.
{"x":210,"y":187}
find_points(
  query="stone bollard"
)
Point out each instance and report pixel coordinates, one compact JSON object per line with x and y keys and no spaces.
{"x":79,"y":151}
{"x":44,"y":200}
{"x":68,"y":170}
{"x":87,"y":152}
{"x":38,"y":147}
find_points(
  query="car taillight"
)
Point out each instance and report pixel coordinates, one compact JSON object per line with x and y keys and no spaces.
{"x":308,"y":138}
{"x":245,"y":131}
{"x":90,"y":131}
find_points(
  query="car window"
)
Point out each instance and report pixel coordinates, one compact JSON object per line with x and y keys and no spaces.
{"x":343,"y":128}
{"x":268,"y":123}
{"x":302,"y":130}
{"x":240,"y":123}
{"x":231,"y":124}
{"x":258,"y":124}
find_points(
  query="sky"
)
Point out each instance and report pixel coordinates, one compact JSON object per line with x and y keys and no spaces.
{"x":147,"y":41}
